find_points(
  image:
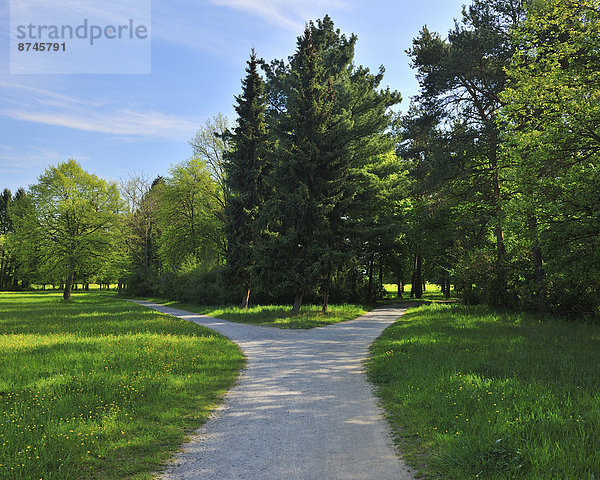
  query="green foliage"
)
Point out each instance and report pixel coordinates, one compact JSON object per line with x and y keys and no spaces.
{"x":492,"y":186}
{"x":5,"y":229}
{"x":100,"y":388}
{"x":328,"y":118}
{"x":189,"y":216}
{"x":210,"y":146}
{"x":307,"y":179}
{"x":461,"y":79}
{"x":552,"y":139}
{"x":244,"y":166}
{"x":141,"y":234}
{"x":16,"y":267}
{"x":70,"y":224}
{"x":173,"y":227}
{"x":193,"y":284}
{"x":377,"y":219}
{"x":471,"y":392}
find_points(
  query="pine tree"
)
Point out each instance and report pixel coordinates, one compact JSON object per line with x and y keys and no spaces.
{"x":461,"y":79}
{"x":244,"y":171}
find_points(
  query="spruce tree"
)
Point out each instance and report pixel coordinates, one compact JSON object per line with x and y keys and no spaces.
{"x":328,"y":118}
{"x":308,"y":179}
{"x":244,"y":167}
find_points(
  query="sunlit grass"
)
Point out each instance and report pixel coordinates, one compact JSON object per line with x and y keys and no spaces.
{"x":101,"y":388}
{"x":432,"y":293}
{"x":473,"y":393}
{"x":310,"y":316}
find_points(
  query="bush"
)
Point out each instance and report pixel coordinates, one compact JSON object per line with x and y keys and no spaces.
{"x":198,"y":285}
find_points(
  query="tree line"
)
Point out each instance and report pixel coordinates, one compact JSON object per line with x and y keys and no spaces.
{"x":319,"y":191}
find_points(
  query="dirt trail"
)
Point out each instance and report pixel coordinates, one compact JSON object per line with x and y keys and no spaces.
{"x":302,"y":409}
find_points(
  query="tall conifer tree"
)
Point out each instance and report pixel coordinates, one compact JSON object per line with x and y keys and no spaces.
{"x":461,"y":79}
{"x":308,"y":178}
{"x":244,"y":167}
{"x":329,"y":118}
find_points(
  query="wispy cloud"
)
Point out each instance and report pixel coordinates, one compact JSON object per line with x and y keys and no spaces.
{"x":216,"y":26}
{"x":290,"y":14}
{"x":21,"y":166}
{"x":125,"y":123}
{"x":193,"y":29}
{"x":43,"y":106}
{"x":34,"y":93}
{"x":13,"y":159}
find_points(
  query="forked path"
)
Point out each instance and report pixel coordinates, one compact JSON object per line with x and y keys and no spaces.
{"x":302,"y":408}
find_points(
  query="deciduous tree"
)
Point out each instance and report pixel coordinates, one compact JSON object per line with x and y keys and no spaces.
{"x":189,"y":216}
{"x":75,"y":219}
{"x":551,"y":121}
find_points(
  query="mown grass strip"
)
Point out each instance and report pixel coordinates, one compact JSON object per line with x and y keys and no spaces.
{"x":474,"y":393}
{"x":279,"y":316}
{"x":101,"y":388}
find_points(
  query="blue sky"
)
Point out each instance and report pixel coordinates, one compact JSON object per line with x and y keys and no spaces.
{"x":118,"y":124}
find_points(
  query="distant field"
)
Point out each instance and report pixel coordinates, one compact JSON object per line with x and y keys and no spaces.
{"x":99,"y":387}
{"x":474,"y":393}
{"x":276,"y":315}
{"x":80,"y":287}
{"x":432,"y":292}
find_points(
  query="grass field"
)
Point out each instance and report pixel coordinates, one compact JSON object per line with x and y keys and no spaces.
{"x":472,"y":393}
{"x":101,"y":388}
{"x":275,"y":315}
{"x":432,"y":293}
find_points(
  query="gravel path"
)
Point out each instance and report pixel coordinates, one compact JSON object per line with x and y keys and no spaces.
{"x":302,"y":408}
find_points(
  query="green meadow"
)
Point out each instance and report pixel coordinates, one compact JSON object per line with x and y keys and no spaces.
{"x":101,"y":388}
{"x":475,"y":393}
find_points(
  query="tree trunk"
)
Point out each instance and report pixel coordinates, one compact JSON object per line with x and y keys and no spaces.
{"x":417,"y":285}
{"x":67,"y":290}
{"x":541,"y":292}
{"x":370,"y":288}
{"x":354,"y":285}
{"x":297,"y":303}
{"x":246,"y":297}
{"x":2,"y":269}
{"x":120,"y":286}
{"x":540,"y":279}
{"x":325,"y":299}
{"x":400,"y":287}
{"x":380,"y":271}
{"x":502,"y":284}
{"x":448,"y":287}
